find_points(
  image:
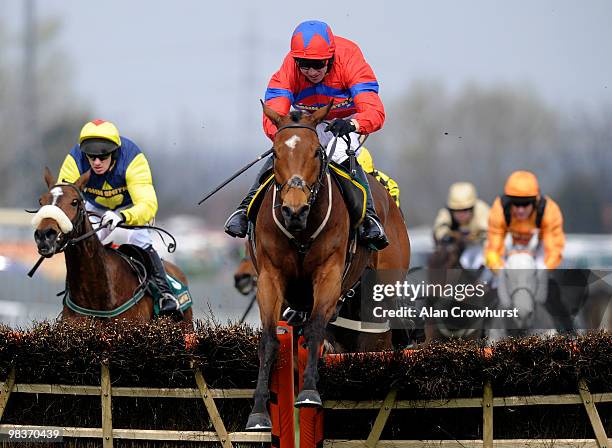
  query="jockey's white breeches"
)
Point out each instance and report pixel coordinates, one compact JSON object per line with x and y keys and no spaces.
{"x":327,"y":138}
{"x":137,"y":237}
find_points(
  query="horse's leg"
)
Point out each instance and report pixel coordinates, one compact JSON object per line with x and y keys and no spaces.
{"x":430,"y":331}
{"x":326,"y":291}
{"x":270,"y":295}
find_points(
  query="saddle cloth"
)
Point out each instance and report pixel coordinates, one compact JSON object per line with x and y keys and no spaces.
{"x":178,"y":288}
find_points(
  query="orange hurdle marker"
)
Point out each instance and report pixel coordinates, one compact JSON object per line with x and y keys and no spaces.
{"x":311,"y":419}
{"x":281,"y":391}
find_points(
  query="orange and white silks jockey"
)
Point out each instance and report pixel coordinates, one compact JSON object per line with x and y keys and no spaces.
{"x":523,"y":211}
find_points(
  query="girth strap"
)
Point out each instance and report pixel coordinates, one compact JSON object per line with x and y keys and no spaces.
{"x":139,"y":293}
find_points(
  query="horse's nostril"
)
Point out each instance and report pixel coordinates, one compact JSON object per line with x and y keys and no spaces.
{"x":286,"y":211}
{"x":241,"y":277}
{"x":44,"y":235}
{"x":303,"y":211}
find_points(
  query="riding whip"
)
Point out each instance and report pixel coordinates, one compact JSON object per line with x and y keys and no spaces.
{"x":238,"y":173}
{"x":246,"y":312}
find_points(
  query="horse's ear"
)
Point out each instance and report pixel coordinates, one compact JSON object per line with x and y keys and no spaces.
{"x":49,"y":179}
{"x":271,"y":113}
{"x":82,"y":181}
{"x":320,"y":114}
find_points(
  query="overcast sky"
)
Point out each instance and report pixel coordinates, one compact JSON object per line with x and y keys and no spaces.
{"x":161,"y":67}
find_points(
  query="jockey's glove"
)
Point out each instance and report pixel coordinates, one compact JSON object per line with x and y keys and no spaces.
{"x":341,"y":127}
{"x":112,"y":218}
{"x":493,"y":261}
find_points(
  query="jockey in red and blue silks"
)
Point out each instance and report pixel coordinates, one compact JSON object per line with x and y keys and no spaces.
{"x":321,"y":68}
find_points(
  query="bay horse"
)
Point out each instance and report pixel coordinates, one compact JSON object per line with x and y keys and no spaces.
{"x":245,"y":275}
{"x":445,"y":267}
{"x":98,"y":278}
{"x":301,"y":260}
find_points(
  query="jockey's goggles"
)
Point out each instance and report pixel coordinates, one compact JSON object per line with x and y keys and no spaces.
{"x":316,"y":64}
{"x":469,"y":209}
{"x":98,"y":147}
{"x":522,"y":202}
{"x":101,"y":157}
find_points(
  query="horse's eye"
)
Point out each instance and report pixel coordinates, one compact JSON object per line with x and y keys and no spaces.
{"x":74,"y":202}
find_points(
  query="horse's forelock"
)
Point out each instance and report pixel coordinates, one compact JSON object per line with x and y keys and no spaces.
{"x":296,"y":115}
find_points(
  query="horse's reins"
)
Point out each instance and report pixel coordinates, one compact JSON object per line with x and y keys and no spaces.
{"x":313,"y":189}
{"x":136,"y":265}
{"x":75,"y":226}
{"x":523,"y":288}
{"x":316,"y":186}
{"x":531,"y":293}
{"x":171,"y":246}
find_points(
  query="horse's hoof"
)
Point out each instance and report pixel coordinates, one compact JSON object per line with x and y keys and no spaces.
{"x":308,"y":399}
{"x":259,"y":422}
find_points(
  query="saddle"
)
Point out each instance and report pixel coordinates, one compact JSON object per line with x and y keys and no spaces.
{"x":141,"y":263}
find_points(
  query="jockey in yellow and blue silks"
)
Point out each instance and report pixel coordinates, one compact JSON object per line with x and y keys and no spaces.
{"x":120,"y":189}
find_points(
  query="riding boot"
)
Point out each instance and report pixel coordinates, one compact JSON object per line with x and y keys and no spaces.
{"x":169,"y":304}
{"x":237,"y":224}
{"x":371,"y":231}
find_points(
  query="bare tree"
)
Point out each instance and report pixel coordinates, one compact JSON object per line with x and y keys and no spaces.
{"x":48,"y":94}
{"x":479,"y":134}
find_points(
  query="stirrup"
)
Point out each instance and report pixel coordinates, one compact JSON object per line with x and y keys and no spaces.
{"x":169,"y":297}
{"x":239,"y":229}
{"x":374,"y":243}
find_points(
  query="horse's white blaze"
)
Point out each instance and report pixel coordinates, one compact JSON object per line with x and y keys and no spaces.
{"x":55,"y":213}
{"x":292,"y":141}
{"x":56,"y":192}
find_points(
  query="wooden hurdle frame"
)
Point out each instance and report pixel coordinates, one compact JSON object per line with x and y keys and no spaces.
{"x":107,"y":433}
{"x":312,"y":434}
{"x":281,"y":405}
{"x":311,"y":420}
{"x":487,"y":403}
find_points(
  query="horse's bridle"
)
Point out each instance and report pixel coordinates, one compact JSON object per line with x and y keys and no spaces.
{"x":523,"y":288}
{"x":314,"y":188}
{"x":77,"y":223}
{"x":531,"y":293}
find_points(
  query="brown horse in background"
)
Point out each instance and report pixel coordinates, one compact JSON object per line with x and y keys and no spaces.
{"x":307,"y":272}
{"x":245,"y":276}
{"x":446,"y":257}
{"x":97,"y":277}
